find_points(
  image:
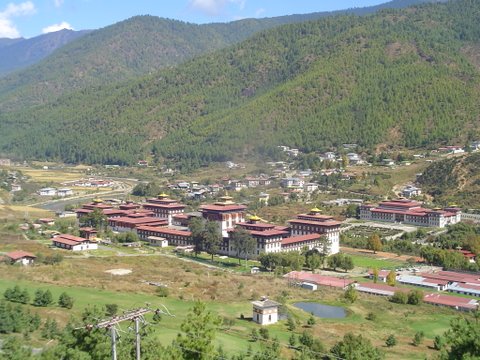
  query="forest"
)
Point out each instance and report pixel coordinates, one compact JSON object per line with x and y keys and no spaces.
{"x":406,"y":78}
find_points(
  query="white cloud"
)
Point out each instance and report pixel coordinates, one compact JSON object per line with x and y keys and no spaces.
{"x":57,"y":27}
{"x":7,"y":27}
{"x":214,"y":7}
{"x":58,"y":3}
{"x":259,"y":12}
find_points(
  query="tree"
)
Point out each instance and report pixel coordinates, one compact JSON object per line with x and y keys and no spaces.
{"x":375,"y":275}
{"x":311,"y":320}
{"x":242,"y":242}
{"x":14,"y":349}
{"x":347,"y":263}
{"x":351,"y":294}
{"x":399,"y":297}
{"x":264,"y":333}
{"x":96,"y":219}
{"x":374,"y":243}
{"x":415,"y":297}
{"x":197,"y":227}
{"x":212,"y":238}
{"x":199,"y":329}
{"x":391,"y":278}
{"x":291,"y":324}
{"x":50,"y":329}
{"x":438,"y":342}
{"x":391,"y":341}
{"x":111,"y":309}
{"x":356,"y":348}
{"x":254,"y":335}
{"x":292,"y":340}
{"x":313,"y":260}
{"x":418,"y":338}
{"x":461,"y":339}
{"x":65,"y":300}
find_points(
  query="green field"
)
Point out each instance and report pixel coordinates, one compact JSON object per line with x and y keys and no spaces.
{"x":370,"y":262}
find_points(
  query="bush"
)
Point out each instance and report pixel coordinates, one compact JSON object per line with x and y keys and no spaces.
{"x":265,"y":335}
{"x":42,"y":298}
{"x":418,"y":338}
{"x":65,"y":301}
{"x":438,"y":342}
{"x":351,"y":294}
{"x":111,"y":309}
{"x":254,"y":335}
{"x":399,"y":297}
{"x":415,"y":297}
{"x":371,"y":316}
{"x":391,"y":341}
{"x":162,"y":291}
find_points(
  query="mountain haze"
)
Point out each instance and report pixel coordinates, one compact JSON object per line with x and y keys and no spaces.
{"x":401,"y":77}
{"x":20,"y":53}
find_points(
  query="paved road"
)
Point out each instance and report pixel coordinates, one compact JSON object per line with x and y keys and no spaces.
{"x":59,"y":205}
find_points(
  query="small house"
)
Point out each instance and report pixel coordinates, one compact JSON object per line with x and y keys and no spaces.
{"x":63,"y":192}
{"x":265,"y":311}
{"x":21,"y":257}
{"x":47,"y":192}
{"x":157,"y":241}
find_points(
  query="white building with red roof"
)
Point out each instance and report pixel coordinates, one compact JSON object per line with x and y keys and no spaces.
{"x":132,"y":221}
{"x":73,"y":243}
{"x":225,"y":212}
{"x":21,"y":257}
{"x":455,"y":302}
{"x":409,"y":212}
{"x":315,"y":223}
{"x":164,"y":207}
{"x":174,"y":237}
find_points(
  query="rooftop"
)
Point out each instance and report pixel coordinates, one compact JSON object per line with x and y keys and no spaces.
{"x":19,"y":254}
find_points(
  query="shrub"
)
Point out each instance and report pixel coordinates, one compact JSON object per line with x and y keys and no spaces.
{"x":391,"y":341}
{"x":65,"y":301}
{"x":162,"y":291}
{"x":371,"y":316}
{"x":399,"y":297}
{"x":418,"y":338}
{"x":111,"y":309}
{"x":415,"y":297}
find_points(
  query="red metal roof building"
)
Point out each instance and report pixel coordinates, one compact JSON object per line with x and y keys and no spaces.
{"x":174,"y":237}
{"x":21,"y":257}
{"x":74,"y":243}
{"x":321,"y":280}
{"x":454,"y":302}
{"x":409,"y":212}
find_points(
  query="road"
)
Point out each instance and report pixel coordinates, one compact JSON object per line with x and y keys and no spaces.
{"x":124,"y":188}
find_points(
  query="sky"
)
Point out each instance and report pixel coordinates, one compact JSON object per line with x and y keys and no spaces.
{"x":35,"y":17}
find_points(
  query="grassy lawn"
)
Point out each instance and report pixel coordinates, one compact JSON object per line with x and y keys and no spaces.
{"x":222,"y":261}
{"x":369,"y":262}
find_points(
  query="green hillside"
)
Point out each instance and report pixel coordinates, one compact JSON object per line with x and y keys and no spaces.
{"x":401,"y":78}
{"x":134,"y":47}
{"x":454,"y":180}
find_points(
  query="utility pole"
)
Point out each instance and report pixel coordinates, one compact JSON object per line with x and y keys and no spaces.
{"x":137,"y":316}
{"x":137,"y":337}
{"x":113,"y":336}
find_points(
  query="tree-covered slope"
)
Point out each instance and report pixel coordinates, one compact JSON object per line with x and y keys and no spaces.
{"x":454,"y":180}
{"x":134,"y":47}
{"x":19,"y":53}
{"x":401,"y":77}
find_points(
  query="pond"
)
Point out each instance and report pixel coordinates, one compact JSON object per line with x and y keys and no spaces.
{"x":322,"y":311}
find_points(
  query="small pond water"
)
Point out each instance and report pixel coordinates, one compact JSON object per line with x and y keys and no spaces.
{"x":322,"y":311}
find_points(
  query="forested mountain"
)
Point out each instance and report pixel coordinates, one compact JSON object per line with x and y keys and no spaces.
{"x":454,"y":180}
{"x":19,"y":53}
{"x":400,"y":77}
{"x":134,"y":47}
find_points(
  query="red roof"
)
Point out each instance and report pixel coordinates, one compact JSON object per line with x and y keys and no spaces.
{"x":318,"y":223}
{"x":383,"y":287}
{"x":400,"y":203}
{"x":65,"y":241}
{"x":165,"y":230}
{"x":272,"y":232}
{"x":164,"y":206}
{"x":319,"y":279}
{"x":223,"y":208}
{"x":300,"y":238}
{"x":449,"y":300}
{"x":19,"y":254}
{"x":138,"y":220}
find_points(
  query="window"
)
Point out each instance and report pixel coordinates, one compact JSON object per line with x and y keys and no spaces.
{"x":269,"y":318}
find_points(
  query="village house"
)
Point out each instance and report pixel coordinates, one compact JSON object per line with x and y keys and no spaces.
{"x":73,"y":243}
{"x":16,"y":187}
{"x":173,"y":236}
{"x":410,"y":191}
{"x":292,"y":182}
{"x":62,"y":192}
{"x":20,"y":257}
{"x":47,"y":191}
{"x":409,"y":212}
{"x":132,"y":221}
{"x":265,"y":311}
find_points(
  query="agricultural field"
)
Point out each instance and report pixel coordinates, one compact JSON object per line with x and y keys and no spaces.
{"x":367,"y":231}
